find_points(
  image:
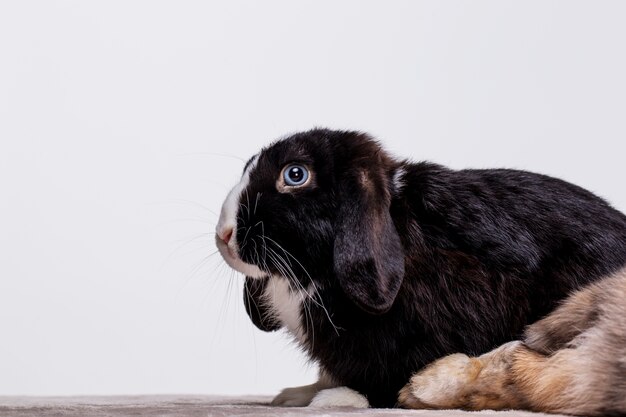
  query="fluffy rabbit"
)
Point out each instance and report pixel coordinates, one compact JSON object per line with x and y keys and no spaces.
{"x":379,"y":266}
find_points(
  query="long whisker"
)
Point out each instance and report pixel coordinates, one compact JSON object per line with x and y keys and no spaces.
{"x":193,"y":203}
{"x":287,"y":253}
{"x":284,"y":269}
{"x":256,"y":203}
{"x":248,"y":200}
{"x":244,"y":242}
{"x":294,"y":258}
{"x":185,"y":243}
{"x":316,"y":298}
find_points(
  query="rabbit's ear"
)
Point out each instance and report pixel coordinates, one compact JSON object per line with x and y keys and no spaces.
{"x":254,"y":301}
{"x":368,"y":255}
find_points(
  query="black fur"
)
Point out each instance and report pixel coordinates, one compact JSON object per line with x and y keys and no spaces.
{"x":453,"y":261}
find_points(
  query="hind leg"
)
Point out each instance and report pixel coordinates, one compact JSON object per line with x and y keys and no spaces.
{"x":572,"y":362}
{"x":509,"y":377}
{"x":460,"y":381}
{"x":551,"y":383}
{"x":575,"y":315}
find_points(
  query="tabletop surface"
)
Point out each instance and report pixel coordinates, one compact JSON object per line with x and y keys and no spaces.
{"x":201,"y":405}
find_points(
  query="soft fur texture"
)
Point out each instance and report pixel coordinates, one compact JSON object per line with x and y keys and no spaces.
{"x":339,"y":397}
{"x":571,"y":362}
{"x":401,"y":263}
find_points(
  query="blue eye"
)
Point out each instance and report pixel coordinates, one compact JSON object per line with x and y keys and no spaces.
{"x":295,"y":175}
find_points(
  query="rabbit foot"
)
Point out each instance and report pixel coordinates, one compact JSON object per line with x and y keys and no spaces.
{"x":460,"y":381}
{"x":339,"y":397}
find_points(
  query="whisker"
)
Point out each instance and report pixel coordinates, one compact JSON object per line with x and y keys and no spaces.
{"x":256,"y":203}
{"x":248,"y":200}
{"x":193,"y":203}
{"x":185,"y":243}
{"x":252,"y":300}
{"x":319,"y":303}
{"x":279,"y":262}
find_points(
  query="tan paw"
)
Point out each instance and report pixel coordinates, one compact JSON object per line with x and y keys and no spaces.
{"x":442,"y":384}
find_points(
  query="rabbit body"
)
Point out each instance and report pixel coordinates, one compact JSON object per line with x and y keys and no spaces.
{"x":384,"y":265}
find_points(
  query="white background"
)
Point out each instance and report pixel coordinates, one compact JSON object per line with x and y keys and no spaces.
{"x":118,"y":120}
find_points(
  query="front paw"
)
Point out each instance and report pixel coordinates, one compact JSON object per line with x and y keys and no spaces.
{"x":295,"y":397}
{"x":339,"y":397}
{"x":441,"y":384}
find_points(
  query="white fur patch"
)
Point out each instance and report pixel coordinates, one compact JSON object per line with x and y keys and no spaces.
{"x":228,"y":220}
{"x":228,"y":215}
{"x":398,"y":180}
{"x":286,"y":305}
{"x":339,"y":397}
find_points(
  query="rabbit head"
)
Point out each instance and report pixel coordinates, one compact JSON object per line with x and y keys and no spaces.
{"x":314,"y":208}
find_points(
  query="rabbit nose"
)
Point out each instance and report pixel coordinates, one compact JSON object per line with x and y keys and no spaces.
{"x":226,"y":234}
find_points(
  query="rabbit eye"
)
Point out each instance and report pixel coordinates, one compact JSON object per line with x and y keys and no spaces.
{"x":295,"y":175}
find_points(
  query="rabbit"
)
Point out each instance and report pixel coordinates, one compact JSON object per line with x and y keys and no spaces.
{"x":571,"y":362}
{"x":377,"y":266}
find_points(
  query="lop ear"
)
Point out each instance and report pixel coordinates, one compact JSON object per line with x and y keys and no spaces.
{"x":368,"y":255}
{"x":253,"y":299}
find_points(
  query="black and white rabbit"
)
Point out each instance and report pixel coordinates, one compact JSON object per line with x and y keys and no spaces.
{"x":379,"y":266}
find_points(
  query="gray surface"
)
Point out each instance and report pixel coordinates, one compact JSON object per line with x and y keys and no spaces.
{"x":192,"y":406}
